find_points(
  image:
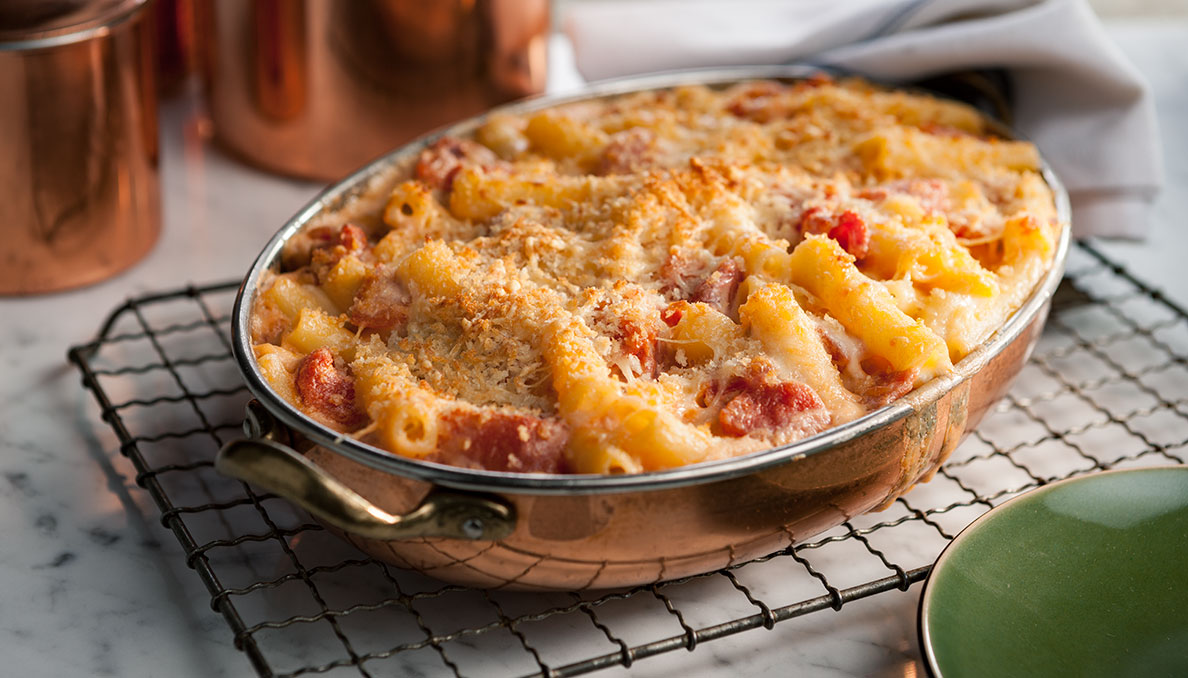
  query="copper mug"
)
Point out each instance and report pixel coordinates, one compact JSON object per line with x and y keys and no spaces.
{"x":79,"y":189}
{"x":316,"y":88}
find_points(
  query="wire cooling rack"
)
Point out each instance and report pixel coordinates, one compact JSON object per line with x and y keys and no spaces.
{"x":1106,"y":388}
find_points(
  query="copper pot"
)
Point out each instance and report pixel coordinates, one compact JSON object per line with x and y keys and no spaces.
{"x":316,"y":88}
{"x":79,"y":196}
{"x":490,"y":529}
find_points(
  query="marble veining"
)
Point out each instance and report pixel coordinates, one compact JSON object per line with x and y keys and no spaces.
{"x":91,"y":584}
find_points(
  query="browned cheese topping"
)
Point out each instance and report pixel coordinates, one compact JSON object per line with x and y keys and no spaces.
{"x":658,"y":279}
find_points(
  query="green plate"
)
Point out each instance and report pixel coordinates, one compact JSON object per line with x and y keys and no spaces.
{"x":1085,"y":577}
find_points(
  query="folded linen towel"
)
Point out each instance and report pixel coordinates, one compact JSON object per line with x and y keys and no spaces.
{"x":1074,"y":94}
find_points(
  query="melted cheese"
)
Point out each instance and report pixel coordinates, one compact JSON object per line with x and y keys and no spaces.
{"x":568,"y":278}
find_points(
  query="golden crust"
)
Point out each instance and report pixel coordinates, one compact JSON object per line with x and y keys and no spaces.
{"x":667,"y":277}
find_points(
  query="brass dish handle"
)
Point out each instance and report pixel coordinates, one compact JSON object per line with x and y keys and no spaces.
{"x":264,"y":461}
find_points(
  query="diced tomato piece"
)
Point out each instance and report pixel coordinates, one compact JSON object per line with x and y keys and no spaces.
{"x":671,"y":316}
{"x":300,"y":249}
{"x":502,"y":441}
{"x":719,"y":289}
{"x":639,"y":339}
{"x":674,"y":276}
{"x":815,"y":219}
{"x":886,"y":384}
{"x":766,"y":406}
{"x":840,"y":359}
{"x":353,"y":238}
{"x":850,"y":232}
{"x":350,"y":239}
{"x":438,"y":164}
{"x":756,"y":401}
{"x":628,"y":151}
{"x":635,"y":330}
{"x":932,"y":194}
{"x":328,"y":391}
{"x":818,"y":79}
{"x":847,"y":228}
{"x":758,"y":102}
{"x":381,"y":302}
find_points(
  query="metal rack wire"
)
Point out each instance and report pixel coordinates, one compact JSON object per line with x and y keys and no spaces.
{"x":1107,"y":387}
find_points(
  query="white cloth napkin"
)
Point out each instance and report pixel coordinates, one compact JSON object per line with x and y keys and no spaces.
{"x":1075,"y":95}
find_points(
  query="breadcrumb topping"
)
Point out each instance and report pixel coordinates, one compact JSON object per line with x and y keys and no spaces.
{"x":659,"y":278}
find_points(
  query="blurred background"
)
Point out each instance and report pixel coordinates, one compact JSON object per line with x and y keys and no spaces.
{"x":1121,"y":8}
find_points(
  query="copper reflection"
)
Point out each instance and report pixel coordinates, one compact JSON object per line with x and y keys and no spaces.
{"x":315,"y":88}
{"x":175,"y":44}
{"x":78,"y":180}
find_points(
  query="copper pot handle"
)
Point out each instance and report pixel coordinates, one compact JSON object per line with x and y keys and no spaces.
{"x":265,"y":462}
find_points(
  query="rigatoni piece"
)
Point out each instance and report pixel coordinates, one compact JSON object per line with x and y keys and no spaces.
{"x":414,"y":214}
{"x":929,"y":255}
{"x":562,"y":137}
{"x":480,"y":195}
{"x":1025,"y":238}
{"x":343,"y":280}
{"x":763,"y":257}
{"x":504,"y":134}
{"x":604,"y":418}
{"x":920,"y":112}
{"x":905,"y":152}
{"x":431,"y":271}
{"x":701,"y":331}
{"x":404,"y":414}
{"x":278,"y":365}
{"x":865,"y":308}
{"x":291,"y":297}
{"x":790,"y":336}
{"x":315,"y":329}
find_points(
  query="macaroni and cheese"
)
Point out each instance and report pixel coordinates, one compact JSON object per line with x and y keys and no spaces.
{"x":659,"y":278}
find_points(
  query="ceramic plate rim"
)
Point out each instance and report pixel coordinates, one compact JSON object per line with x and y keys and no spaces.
{"x":923,"y":637}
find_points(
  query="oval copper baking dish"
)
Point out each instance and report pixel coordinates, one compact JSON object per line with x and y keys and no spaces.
{"x":491,"y":529}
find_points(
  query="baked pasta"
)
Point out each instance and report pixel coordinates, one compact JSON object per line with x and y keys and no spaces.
{"x":660,"y":278}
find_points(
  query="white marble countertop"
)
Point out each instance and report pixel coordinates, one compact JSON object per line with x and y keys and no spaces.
{"x":90,"y":584}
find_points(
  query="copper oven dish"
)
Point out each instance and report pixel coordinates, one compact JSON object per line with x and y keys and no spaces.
{"x":491,"y":529}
